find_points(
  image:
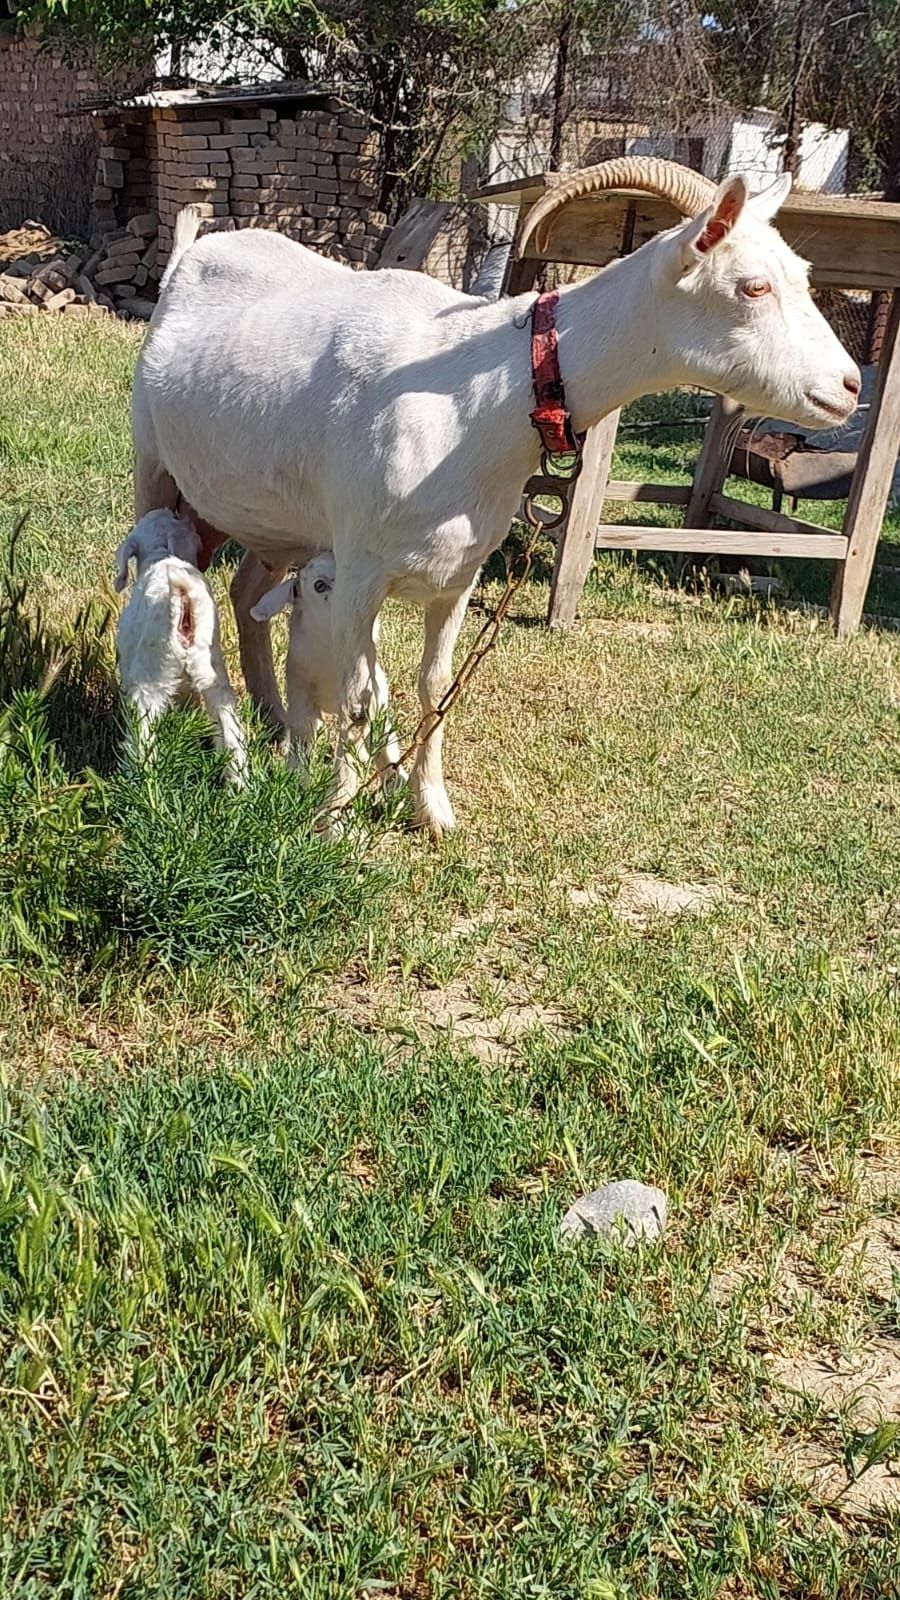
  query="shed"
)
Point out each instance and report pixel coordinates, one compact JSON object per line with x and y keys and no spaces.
{"x":281,"y":155}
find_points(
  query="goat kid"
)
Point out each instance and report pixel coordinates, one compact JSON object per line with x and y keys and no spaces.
{"x":168,"y":643}
{"x":312,"y":672}
{"x":301,"y":405}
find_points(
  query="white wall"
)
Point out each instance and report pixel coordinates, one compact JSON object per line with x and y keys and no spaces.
{"x":823,"y":158}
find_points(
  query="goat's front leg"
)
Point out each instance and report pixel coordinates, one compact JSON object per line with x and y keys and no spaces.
{"x":303,"y":721}
{"x":251,"y":581}
{"x":355,"y":603}
{"x":154,"y":487}
{"x":431,"y":805}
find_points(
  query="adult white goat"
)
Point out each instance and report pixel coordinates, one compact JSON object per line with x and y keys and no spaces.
{"x":297,"y":403}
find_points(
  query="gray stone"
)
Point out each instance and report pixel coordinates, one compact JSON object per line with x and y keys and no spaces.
{"x":627,"y":1210}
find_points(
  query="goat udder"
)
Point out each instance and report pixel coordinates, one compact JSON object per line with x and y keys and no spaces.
{"x":210,"y":538}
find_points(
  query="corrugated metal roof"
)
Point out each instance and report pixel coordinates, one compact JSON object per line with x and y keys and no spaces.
{"x":199,"y":96}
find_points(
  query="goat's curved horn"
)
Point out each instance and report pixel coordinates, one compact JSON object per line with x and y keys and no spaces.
{"x":689,"y":192}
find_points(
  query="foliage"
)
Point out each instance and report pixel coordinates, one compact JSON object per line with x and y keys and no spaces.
{"x":163,"y":863}
{"x":837,"y":61}
{"x":434,"y":74}
{"x":431,"y":75}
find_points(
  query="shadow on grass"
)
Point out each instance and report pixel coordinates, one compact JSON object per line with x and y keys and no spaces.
{"x":70,"y":661}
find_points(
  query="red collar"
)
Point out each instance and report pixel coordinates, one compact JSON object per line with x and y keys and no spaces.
{"x":550,"y":417}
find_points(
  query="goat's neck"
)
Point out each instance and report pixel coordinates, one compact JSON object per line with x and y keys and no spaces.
{"x":151,"y":558}
{"x":609,"y":352}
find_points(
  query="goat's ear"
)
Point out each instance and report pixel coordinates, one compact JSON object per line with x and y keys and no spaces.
{"x":764,"y":206}
{"x":126,"y":550}
{"x":715,"y":224}
{"x":269,"y":606}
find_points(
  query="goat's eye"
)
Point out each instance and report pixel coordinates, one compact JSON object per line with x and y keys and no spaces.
{"x":755,"y":288}
{"x":320,"y":586}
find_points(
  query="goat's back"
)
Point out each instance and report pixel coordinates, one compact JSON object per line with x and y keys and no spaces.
{"x":148,"y":644}
{"x":269,"y":371}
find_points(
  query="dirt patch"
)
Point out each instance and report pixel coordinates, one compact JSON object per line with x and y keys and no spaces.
{"x":492,"y":1038}
{"x":879,"y":1174}
{"x":854,"y":1398}
{"x":642,"y":900}
{"x":875,"y":1254}
{"x":612,"y":627}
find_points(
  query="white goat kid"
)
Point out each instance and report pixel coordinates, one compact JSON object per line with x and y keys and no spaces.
{"x":298,"y":404}
{"x":312,"y":673}
{"x":168,"y":643}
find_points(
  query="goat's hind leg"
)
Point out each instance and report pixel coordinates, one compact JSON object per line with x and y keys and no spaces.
{"x":144,"y":706}
{"x":251,"y":581}
{"x":228,"y":732}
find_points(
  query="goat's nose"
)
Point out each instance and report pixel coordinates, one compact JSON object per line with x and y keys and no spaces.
{"x":852,"y":384}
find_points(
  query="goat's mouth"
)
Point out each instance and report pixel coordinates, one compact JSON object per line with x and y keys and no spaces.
{"x":834,"y":413}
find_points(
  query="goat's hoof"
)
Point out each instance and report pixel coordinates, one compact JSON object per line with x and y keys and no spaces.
{"x":432,"y":810}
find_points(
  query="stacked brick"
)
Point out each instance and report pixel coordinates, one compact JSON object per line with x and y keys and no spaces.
{"x":56,"y":277}
{"x":310,"y":174}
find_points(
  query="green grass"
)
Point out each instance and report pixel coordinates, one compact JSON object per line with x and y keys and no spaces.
{"x":286,"y":1132}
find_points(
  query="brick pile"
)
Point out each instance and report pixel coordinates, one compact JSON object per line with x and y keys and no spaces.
{"x":48,"y":275}
{"x":310,"y":173}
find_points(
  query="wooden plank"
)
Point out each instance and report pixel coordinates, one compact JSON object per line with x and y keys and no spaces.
{"x":725,"y":505}
{"x":876,"y":464}
{"x":521,"y":274}
{"x":521,"y":271}
{"x":713,"y":541}
{"x":575,"y":541}
{"x":805,"y":207}
{"x":409,"y":241}
{"x":657,"y":494}
{"x":515,"y":191}
{"x":714,"y":459}
{"x":856,"y":248}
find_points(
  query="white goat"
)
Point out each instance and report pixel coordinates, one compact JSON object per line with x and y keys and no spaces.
{"x":312,"y":674}
{"x":168,"y":643}
{"x":298,"y":404}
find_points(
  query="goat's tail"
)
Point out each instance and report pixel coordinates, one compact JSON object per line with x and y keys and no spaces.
{"x":182,"y":610}
{"x":187,"y":227}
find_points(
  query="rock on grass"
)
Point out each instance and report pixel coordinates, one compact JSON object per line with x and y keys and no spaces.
{"x":626,"y":1210}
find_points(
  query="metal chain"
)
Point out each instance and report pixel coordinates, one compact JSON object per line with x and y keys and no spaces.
{"x":561,"y":473}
